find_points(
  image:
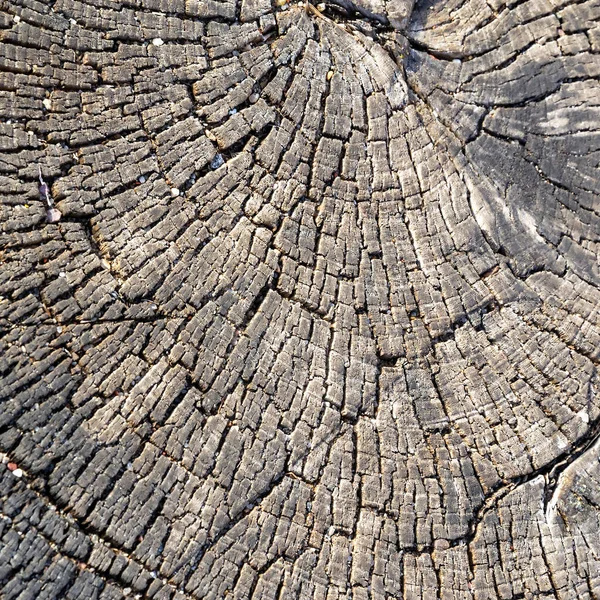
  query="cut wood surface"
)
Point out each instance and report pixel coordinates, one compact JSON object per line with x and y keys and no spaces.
{"x":309,"y":306}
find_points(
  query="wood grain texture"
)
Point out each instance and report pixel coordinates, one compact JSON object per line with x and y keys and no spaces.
{"x":318,"y":316}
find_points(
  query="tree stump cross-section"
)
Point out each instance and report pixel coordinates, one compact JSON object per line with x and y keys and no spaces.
{"x":299,"y":300}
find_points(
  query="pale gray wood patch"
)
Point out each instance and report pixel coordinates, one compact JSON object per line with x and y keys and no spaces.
{"x":319,"y":318}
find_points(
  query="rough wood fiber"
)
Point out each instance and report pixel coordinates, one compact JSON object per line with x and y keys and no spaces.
{"x":320,"y":316}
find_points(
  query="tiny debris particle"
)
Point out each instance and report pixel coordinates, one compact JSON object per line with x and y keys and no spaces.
{"x":174,"y":192}
{"x":18,"y":473}
{"x":253,"y":98}
{"x":233,"y":111}
{"x":329,"y":75}
{"x":321,"y":7}
{"x":59,"y":329}
{"x":12,"y":466}
{"x":62,"y":274}
{"x":157,"y":42}
{"x":141,"y":179}
{"x":47,"y":103}
{"x":217,"y":161}
{"x":53,"y":215}
{"x":17,"y":19}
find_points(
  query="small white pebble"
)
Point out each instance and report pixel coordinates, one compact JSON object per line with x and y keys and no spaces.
{"x":17,"y":19}
{"x":47,"y":103}
{"x":62,"y":274}
{"x":174,"y":192}
{"x":59,"y":329}
{"x":18,"y":472}
{"x":253,"y":98}
{"x":53,"y":215}
{"x":142,"y":179}
{"x":157,"y":42}
{"x":233,"y":111}
{"x":320,"y":7}
{"x":105,"y":264}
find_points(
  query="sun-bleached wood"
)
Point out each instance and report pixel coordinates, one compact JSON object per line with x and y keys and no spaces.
{"x":317,"y":315}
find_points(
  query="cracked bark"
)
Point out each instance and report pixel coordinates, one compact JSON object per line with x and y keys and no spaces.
{"x":319,"y":319}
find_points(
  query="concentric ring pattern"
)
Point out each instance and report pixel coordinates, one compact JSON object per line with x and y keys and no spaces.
{"x":320,"y":316}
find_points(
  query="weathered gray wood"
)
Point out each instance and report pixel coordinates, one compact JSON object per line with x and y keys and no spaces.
{"x":319,"y":315}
